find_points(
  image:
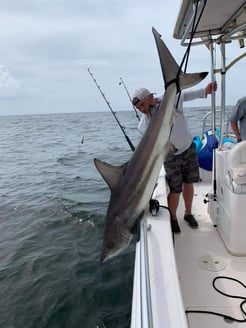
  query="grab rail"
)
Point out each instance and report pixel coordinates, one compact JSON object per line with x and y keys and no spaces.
{"x":145,"y":297}
{"x":207,"y":125}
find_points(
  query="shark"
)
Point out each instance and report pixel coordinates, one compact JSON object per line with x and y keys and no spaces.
{"x":132,"y":183}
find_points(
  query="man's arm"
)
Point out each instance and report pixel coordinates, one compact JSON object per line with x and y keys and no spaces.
{"x":143,"y":124}
{"x":200,"y":93}
{"x":234,"y":118}
{"x":235,"y":130}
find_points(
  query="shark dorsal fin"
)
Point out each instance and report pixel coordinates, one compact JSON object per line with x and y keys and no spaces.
{"x":109,"y":172}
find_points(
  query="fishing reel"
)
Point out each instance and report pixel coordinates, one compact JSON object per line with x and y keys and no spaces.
{"x":209,"y":197}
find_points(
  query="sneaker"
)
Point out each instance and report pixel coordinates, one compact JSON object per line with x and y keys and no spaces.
{"x":191,"y":220}
{"x":175,"y":226}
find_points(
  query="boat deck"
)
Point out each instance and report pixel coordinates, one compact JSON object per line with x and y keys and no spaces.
{"x":200,"y":257}
{"x":181,"y":277}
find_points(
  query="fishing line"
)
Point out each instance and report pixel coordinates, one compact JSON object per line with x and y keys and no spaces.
{"x":134,"y":108}
{"x":114,"y":114}
{"x":187,"y":52}
{"x":192,"y":34}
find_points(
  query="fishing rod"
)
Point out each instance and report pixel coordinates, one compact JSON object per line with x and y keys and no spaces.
{"x":109,"y":106}
{"x":123,"y":83}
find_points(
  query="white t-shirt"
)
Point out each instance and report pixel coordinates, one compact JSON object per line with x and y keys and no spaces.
{"x":180,"y":136}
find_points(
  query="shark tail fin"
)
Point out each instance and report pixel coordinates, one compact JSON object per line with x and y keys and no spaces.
{"x":170,"y":69}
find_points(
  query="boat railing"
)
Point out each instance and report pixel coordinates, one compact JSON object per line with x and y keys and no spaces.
{"x":208,"y":125}
{"x":145,"y":297}
{"x":228,"y":133}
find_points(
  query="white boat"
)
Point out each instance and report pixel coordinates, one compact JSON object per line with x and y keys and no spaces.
{"x":198,"y":278}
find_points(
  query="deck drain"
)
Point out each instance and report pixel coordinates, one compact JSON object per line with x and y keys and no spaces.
{"x":211,"y":263}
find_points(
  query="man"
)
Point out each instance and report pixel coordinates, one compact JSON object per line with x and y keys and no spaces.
{"x":181,"y":166}
{"x":239,"y":115}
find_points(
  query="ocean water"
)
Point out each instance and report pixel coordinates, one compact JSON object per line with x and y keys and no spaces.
{"x":52,"y":209}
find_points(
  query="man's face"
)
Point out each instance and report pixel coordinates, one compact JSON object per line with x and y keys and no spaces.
{"x":144,"y":105}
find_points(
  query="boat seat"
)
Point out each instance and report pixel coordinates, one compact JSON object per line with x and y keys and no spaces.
{"x":236,"y":177}
{"x":234,"y":187}
{"x":238,"y":173}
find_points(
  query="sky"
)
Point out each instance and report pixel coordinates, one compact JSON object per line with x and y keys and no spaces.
{"x":47,"y":47}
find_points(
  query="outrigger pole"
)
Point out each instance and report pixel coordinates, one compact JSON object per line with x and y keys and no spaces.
{"x":213,"y":109}
{"x":123,"y":83}
{"x":109,"y":106}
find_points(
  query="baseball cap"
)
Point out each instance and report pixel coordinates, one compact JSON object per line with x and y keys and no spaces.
{"x":140,"y":94}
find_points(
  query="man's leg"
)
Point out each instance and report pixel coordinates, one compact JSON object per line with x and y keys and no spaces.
{"x":190,"y":173}
{"x":188,"y":193}
{"x":173,"y":201}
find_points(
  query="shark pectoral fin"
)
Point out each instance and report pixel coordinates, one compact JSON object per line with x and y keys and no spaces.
{"x":109,"y":172}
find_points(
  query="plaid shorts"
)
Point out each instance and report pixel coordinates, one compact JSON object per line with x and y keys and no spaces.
{"x":182,"y":168}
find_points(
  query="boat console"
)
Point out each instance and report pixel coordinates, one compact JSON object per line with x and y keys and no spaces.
{"x":228,"y":209}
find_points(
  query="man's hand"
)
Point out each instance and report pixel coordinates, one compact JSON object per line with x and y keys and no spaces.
{"x":211,"y":87}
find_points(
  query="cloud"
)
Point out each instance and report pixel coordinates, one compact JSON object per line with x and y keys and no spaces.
{"x":10,"y":87}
